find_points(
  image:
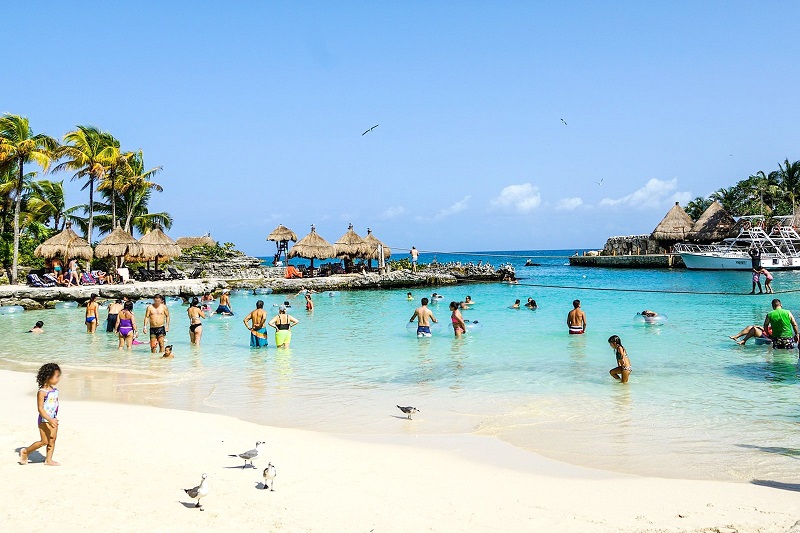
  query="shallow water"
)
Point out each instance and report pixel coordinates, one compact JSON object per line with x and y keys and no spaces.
{"x":697,"y":406}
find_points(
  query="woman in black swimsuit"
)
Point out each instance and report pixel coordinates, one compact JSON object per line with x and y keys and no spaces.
{"x":195,"y":325}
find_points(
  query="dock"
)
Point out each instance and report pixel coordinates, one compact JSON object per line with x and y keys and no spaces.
{"x":628,"y":261}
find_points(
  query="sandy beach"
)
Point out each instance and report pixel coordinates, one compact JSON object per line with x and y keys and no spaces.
{"x":124,"y":467}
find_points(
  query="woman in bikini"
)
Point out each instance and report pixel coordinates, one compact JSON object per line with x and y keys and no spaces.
{"x":623,"y":369}
{"x":126,"y":326}
{"x":459,"y":327}
{"x":283,"y":322}
{"x":195,"y":324}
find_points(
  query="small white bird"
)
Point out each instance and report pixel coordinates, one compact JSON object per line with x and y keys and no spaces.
{"x":249,"y":455}
{"x":600,"y":182}
{"x":269,"y":477}
{"x":200,"y":491}
{"x":408,"y":411}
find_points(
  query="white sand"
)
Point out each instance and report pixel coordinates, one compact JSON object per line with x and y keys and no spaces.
{"x":124,"y":467}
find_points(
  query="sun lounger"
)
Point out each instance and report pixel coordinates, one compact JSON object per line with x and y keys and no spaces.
{"x":143,"y":274}
{"x":196,"y":273}
{"x":50,"y":278}
{"x":35,"y":281}
{"x":124,"y":275}
{"x":174,"y":273}
{"x":88,"y":279}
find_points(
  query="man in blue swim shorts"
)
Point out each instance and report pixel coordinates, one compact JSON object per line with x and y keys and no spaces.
{"x":424,"y":317}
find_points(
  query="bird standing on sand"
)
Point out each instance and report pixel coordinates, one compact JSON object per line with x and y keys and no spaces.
{"x":564,"y":121}
{"x":269,"y":477}
{"x":408,"y":411}
{"x":369,"y":130}
{"x":249,"y":455}
{"x":200,"y":491}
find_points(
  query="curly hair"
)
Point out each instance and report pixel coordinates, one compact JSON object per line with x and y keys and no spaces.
{"x":46,"y":372}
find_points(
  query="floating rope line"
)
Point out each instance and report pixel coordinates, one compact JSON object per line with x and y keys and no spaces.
{"x":652,"y":291}
{"x":481,"y":254}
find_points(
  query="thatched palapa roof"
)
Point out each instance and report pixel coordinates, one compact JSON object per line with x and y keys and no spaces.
{"x":312,"y":246}
{"x":66,"y":245}
{"x":351,"y":245}
{"x":675,"y":225}
{"x":282,"y":233}
{"x":713,"y":225}
{"x":119,"y":243}
{"x":156,"y":245}
{"x":188,"y":242}
{"x":373,"y":243}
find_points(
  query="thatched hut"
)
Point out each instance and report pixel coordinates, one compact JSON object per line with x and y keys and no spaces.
{"x":190,"y":242}
{"x":281,"y":237}
{"x":120,"y":244}
{"x":157,"y":245}
{"x":374,"y":243}
{"x":66,"y":245}
{"x":312,"y":246}
{"x":674,"y":227}
{"x":351,"y":246}
{"x":713,"y":225}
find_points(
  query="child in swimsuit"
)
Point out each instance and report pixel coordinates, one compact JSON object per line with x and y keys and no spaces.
{"x":459,"y":327}
{"x":47,"y":401}
{"x":623,"y":369}
{"x":768,"y":282}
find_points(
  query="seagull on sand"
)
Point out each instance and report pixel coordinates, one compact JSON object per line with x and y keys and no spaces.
{"x":564,"y":121}
{"x":200,"y":491}
{"x":369,"y":130}
{"x":249,"y":455}
{"x":408,"y":411}
{"x":269,"y":477}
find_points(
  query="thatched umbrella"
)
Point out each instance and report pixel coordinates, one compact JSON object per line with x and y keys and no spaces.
{"x":674,"y":227}
{"x":120,"y":244}
{"x":351,"y":245}
{"x":66,"y":245}
{"x":374,"y":243}
{"x":190,"y":242}
{"x":281,"y":237}
{"x":157,"y":245}
{"x":713,"y":225}
{"x":312,"y":246}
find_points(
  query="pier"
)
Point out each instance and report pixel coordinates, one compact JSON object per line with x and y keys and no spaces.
{"x":628,"y":261}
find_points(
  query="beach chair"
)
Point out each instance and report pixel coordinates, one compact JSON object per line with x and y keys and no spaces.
{"x":35,"y":281}
{"x":196,"y":273}
{"x":157,"y":275}
{"x":88,"y":279}
{"x":124,"y":275}
{"x":50,"y":278}
{"x":143,"y":274}
{"x":175,"y":273}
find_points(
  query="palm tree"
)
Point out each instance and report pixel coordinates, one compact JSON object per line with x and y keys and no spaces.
{"x":86,"y":155}
{"x":729,"y":198}
{"x":789,"y":176}
{"x":47,"y":203}
{"x":135,"y":182}
{"x":116,"y":162}
{"x":697,"y":207}
{"x":133,"y":205}
{"x":19,"y":146}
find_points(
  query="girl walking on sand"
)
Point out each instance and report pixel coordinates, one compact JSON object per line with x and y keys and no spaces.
{"x":623,"y":369}
{"x":47,"y":403}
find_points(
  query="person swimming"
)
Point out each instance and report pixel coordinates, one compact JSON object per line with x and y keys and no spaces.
{"x":409,"y":297}
{"x":516,"y":304}
{"x":531,"y":304}
{"x":37,"y":328}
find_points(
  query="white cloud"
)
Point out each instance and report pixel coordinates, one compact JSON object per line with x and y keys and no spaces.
{"x":456,"y":208}
{"x":655,"y":193}
{"x":394,"y":211}
{"x":569,"y":204}
{"x":523,"y":198}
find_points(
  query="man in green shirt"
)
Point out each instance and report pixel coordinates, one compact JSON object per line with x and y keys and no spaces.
{"x":784,"y":326}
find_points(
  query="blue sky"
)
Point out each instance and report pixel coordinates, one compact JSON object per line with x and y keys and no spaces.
{"x":255,"y":110}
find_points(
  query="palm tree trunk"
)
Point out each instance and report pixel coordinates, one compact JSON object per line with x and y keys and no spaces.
{"x":17,"y":209}
{"x":91,"y":216}
{"x":113,"y":199}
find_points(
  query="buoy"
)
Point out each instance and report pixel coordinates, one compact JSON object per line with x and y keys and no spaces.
{"x":11,"y":309}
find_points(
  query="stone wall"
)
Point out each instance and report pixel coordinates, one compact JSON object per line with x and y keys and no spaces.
{"x":632,"y":245}
{"x":234,"y":267}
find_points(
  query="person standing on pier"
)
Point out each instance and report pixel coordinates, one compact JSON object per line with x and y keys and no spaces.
{"x":414,"y":258}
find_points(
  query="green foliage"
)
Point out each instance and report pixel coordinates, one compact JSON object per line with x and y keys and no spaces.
{"x":211,"y":253}
{"x":404,"y":264}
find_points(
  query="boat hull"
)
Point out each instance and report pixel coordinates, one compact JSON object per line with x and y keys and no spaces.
{"x":711,"y":261}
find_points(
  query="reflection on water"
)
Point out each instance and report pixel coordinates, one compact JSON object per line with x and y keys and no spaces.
{"x":697,"y":404}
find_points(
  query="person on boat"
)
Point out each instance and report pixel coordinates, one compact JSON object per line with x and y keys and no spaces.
{"x":91,"y":314}
{"x":623,"y":369}
{"x":113,"y":310}
{"x":424,"y":317}
{"x":459,"y":327}
{"x":768,"y":280}
{"x":283,"y":323}
{"x":37,"y":328}
{"x":576,"y":319}
{"x":752,"y":332}
{"x":784,"y":326}
{"x":126,"y":326}
{"x":257,"y":325}
{"x":224,"y":307}
{"x":195,"y":323}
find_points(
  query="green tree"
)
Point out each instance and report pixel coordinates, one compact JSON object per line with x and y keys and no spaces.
{"x":116,"y":162}
{"x":47,"y":203}
{"x":697,"y":207}
{"x":18,"y":147}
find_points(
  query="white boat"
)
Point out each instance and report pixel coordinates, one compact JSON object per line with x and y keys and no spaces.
{"x":778,"y":247}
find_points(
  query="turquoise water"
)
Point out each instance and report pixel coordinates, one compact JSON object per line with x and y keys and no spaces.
{"x":697,"y":405}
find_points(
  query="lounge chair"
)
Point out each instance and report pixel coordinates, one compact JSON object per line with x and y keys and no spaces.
{"x":175,"y":273}
{"x":88,"y":279}
{"x":101,"y":277}
{"x":35,"y":281}
{"x":143,"y":274}
{"x":124,"y":275}
{"x":50,"y":278}
{"x":157,"y":275}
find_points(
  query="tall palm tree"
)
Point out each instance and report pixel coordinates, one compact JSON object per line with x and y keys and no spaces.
{"x":135,"y":181}
{"x":85,"y":153}
{"x":729,"y":198}
{"x":789,"y":175}
{"x":48,"y":204}
{"x":20,"y":146}
{"x":116,"y":162}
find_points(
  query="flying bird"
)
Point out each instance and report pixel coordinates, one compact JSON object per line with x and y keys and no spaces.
{"x":408,"y":411}
{"x":200,"y":491}
{"x":269,"y":477}
{"x":564,"y":121}
{"x":249,"y":455}
{"x":600,"y":182}
{"x":369,"y":130}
